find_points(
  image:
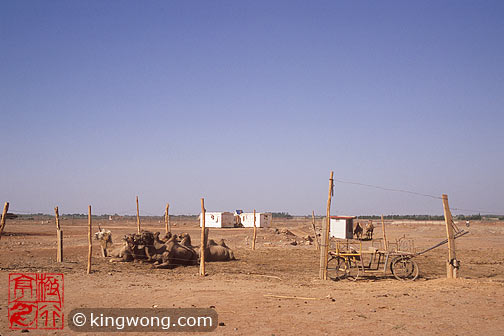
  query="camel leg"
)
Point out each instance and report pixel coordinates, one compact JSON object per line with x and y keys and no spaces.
{"x":163,"y":265}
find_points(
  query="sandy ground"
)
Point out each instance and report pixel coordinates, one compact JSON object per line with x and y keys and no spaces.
{"x":239,"y":290}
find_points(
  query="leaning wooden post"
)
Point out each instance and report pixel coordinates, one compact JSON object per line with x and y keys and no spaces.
{"x":138,"y":216}
{"x":324,"y":251}
{"x":254,"y":237}
{"x":315,"y":231}
{"x":59,"y":237}
{"x":202,"y":245}
{"x":385,"y":241}
{"x":4,"y":214}
{"x":452,"y":264}
{"x":90,"y":243}
{"x":167,"y":219}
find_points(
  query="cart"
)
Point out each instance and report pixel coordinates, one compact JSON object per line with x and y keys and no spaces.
{"x":350,"y":261}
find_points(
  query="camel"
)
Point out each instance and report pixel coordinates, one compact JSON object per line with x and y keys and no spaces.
{"x":358,"y":231}
{"x":138,"y":246}
{"x":158,"y":242}
{"x":213,"y":252}
{"x":153,"y":246}
{"x":175,"y":255}
{"x":185,"y":240}
{"x":218,"y":252}
{"x":163,"y":239}
{"x":369,"y":230}
{"x":120,"y":253}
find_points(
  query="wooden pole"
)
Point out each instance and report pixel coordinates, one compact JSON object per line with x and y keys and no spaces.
{"x":138,"y":216}
{"x":317,"y":245}
{"x":59,"y":237}
{"x":324,"y":251}
{"x":385,"y":241}
{"x":167,"y":219}
{"x":255,"y":232}
{"x":451,"y":269}
{"x":90,"y":243}
{"x":207,"y":231}
{"x":4,"y":214}
{"x":202,"y":245}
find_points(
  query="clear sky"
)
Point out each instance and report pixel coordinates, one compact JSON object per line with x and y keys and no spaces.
{"x":251,"y":104}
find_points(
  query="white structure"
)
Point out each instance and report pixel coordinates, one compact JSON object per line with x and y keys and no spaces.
{"x":218,"y":219}
{"x":262,"y":219}
{"x":341,"y":227}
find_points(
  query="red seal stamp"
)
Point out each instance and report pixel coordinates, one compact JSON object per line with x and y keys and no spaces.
{"x":35,"y":301}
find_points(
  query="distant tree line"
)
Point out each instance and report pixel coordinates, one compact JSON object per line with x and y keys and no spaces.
{"x":284,"y":215}
{"x":433,"y":217}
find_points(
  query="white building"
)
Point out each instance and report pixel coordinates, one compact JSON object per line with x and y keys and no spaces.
{"x":218,"y":219}
{"x":262,"y":219}
{"x":341,"y":227}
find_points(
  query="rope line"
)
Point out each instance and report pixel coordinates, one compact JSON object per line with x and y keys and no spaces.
{"x":413,"y":193}
{"x":387,"y":189}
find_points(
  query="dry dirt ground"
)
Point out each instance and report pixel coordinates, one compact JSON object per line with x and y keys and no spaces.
{"x":431,"y":305}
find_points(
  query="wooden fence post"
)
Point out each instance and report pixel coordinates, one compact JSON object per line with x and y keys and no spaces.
{"x":385,"y":241}
{"x":254,"y":236}
{"x":4,"y":214}
{"x":90,"y":243}
{"x":59,"y":237}
{"x":138,"y":216}
{"x":325,"y":233}
{"x":202,"y":245}
{"x":452,"y":263}
{"x":167,"y":219}
{"x":317,"y":245}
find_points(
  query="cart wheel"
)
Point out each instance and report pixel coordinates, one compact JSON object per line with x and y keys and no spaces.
{"x":392,"y":266}
{"x":352,"y":269}
{"x":404,"y":268}
{"x":336,"y":268}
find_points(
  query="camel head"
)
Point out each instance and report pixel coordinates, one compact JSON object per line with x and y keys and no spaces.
{"x":103,"y":235}
{"x":186,"y":240}
{"x":105,"y":238}
{"x":223,"y":243}
{"x":147,"y":238}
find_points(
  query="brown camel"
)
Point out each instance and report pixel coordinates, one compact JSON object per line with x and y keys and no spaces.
{"x":358,"y":231}
{"x":118,"y":253}
{"x":175,"y":255}
{"x":218,"y":252}
{"x":369,"y":230}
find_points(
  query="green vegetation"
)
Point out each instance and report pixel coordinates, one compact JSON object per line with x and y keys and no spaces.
{"x":284,"y":215}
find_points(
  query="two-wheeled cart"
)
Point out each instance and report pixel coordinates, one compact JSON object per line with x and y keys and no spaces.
{"x":350,"y":261}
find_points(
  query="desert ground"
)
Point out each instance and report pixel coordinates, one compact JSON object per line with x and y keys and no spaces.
{"x":243,"y":291}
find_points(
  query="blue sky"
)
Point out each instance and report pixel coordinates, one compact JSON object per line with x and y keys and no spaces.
{"x":251,"y":105}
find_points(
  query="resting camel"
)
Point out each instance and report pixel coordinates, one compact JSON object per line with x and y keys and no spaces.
{"x":163,"y":239}
{"x":213,"y":252}
{"x":185,"y":239}
{"x":358,"y":231}
{"x":120,"y":253}
{"x":175,"y":255}
{"x":218,"y":252}
{"x":153,"y":246}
